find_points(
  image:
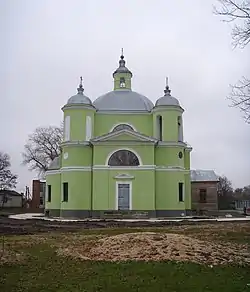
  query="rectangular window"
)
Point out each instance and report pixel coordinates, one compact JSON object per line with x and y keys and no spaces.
{"x":88,"y":128}
{"x":65,"y":192}
{"x":203,"y":195}
{"x":49,"y":193}
{"x":67,"y":128}
{"x":181,"y":193}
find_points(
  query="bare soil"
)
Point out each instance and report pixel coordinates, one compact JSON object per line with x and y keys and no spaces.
{"x":151,"y":246}
{"x":29,"y":227}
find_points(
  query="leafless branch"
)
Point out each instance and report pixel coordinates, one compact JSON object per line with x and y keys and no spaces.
{"x":42,"y":148}
{"x":240,"y":97}
{"x":237,"y":11}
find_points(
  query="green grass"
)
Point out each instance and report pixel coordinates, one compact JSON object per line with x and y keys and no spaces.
{"x":43,"y":270}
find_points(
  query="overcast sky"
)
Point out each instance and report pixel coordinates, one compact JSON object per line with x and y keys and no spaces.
{"x":46,"y":45}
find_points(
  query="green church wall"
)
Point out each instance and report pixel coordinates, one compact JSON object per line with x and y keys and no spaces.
{"x":104,"y":188}
{"x":169,"y":156}
{"x":169,"y":123}
{"x":167,"y":190}
{"x":78,"y":122}
{"x":77,"y":156}
{"x":79,"y":190}
{"x":141,"y":122}
{"x":54,"y":180}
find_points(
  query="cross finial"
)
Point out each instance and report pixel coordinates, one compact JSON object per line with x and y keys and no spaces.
{"x":80,"y":88}
{"x":166,"y":81}
{"x":167,"y":91}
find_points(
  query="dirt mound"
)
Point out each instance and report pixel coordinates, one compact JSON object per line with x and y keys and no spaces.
{"x":149,"y":246}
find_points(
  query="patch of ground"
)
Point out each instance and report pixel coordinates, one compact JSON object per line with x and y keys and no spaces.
{"x":151,"y":246}
{"x":9,"y":256}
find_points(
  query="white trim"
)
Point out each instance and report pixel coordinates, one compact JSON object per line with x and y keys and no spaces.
{"x":172,"y":144}
{"x":124,"y":176}
{"x":128,"y":149}
{"x":141,"y":137}
{"x":164,"y":108}
{"x":67,"y":128}
{"x":78,"y":106}
{"x":75,"y":143}
{"x":117,"y":112}
{"x":118,"y":124}
{"x":88,"y":128}
{"x":130,"y":193}
{"x":121,"y":168}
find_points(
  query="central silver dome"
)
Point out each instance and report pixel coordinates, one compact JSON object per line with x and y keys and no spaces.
{"x":123,"y":100}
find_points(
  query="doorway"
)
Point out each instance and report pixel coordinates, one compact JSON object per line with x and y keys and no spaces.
{"x":123,"y":196}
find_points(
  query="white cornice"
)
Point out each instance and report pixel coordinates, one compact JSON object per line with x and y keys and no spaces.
{"x":140,"y":137}
{"x":103,"y":112}
{"x":168,"y":108}
{"x":121,"y":168}
{"x":77,"y":106}
{"x":171,"y":144}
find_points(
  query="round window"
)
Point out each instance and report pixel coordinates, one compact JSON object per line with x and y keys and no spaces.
{"x":180,"y":154}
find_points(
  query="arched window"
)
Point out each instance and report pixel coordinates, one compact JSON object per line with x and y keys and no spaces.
{"x":122,"y":127}
{"x":159,"y":127}
{"x":123,"y":158}
{"x":122,"y":82}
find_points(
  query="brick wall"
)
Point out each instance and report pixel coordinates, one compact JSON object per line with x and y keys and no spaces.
{"x":35,"y":203}
{"x":211,"y":196}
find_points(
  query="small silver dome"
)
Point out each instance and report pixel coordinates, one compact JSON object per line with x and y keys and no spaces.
{"x":55,"y":163}
{"x":123,"y":100}
{"x":80,"y":98}
{"x":167,"y":99}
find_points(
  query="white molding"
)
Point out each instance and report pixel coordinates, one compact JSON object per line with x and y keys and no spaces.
{"x":124,"y":176}
{"x":165,"y":108}
{"x":121,"y":168}
{"x":122,"y":123}
{"x":130,"y":193}
{"x":75,"y":143}
{"x":66,"y":128}
{"x":105,"y":137}
{"x":128,"y":149}
{"x":171,"y":144}
{"x":78,"y":106}
{"x":114,"y":112}
{"x":88,"y":128}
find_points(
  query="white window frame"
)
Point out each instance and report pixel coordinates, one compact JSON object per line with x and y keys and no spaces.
{"x":88,"y":128}
{"x":67,"y":128}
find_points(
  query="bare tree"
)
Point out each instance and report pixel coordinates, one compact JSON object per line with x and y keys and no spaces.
{"x":42,"y":147}
{"x":224,"y":186}
{"x":8,"y":180}
{"x":238,"y":11}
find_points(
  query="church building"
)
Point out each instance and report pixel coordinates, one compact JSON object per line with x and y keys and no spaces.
{"x":121,"y":154}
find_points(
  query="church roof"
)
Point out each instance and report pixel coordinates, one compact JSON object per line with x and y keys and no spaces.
{"x":80,"y":98}
{"x":167,"y":99}
{"x":203,"y":175}
{"x":123,"y":100}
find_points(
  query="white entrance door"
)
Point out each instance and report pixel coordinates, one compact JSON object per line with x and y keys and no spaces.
{"x":123,"y":196}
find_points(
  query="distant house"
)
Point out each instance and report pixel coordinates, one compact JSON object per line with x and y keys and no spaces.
{"x":10,"y":199}
{"x":204,"y":185}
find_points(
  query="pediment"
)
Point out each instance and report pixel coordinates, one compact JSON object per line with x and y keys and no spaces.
{"x":124,"y":135}
{"x":124,"y":176}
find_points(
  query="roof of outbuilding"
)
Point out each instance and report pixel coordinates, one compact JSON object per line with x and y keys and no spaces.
{"x":203,"y":175}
